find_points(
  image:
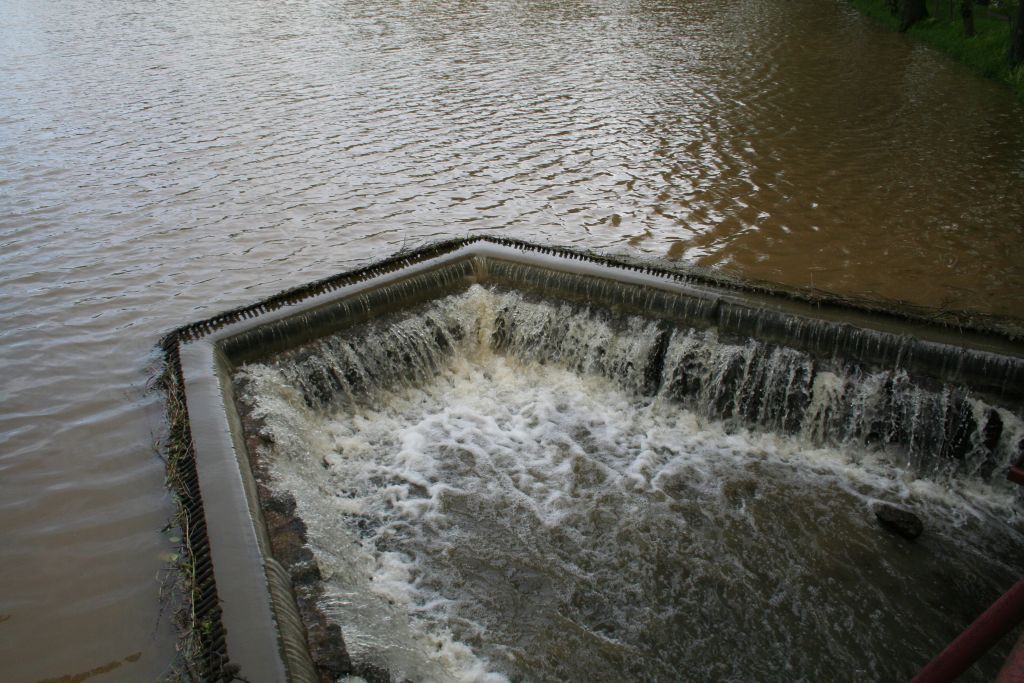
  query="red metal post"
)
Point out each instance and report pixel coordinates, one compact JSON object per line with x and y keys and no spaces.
{"x":1013,"y":669}
{"x":969,"y":646}
{"x":1016,"y":475}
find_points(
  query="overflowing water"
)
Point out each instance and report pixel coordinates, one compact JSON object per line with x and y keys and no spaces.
{"x":502,"y":488}
{"x":160,"y":162}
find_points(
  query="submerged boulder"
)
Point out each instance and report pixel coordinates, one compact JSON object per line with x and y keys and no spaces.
{"x":738,"y":490}
{"x":899,"y":521}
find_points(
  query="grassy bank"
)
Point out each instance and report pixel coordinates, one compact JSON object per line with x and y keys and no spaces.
{"x":986,"y":52}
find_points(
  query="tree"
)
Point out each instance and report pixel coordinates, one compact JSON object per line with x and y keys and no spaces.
{"x":967,"y":14}
{"x":1017,"y":37}
{"x":913,"y":12}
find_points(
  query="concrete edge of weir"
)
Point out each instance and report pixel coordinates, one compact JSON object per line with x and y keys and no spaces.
{"x":242,"y":613}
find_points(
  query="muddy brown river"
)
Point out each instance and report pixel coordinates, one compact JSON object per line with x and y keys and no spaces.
{"x":161,"y":162}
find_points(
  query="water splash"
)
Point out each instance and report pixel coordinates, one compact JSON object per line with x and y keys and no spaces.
{"x":500,"y":487}
{"x":938,"y":430}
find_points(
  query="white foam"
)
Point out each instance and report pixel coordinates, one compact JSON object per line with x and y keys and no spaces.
{"x":463,"y":522}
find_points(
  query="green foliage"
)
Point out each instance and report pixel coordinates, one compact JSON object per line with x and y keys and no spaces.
{"x":879,"y":11}
{"x":987,"y":52}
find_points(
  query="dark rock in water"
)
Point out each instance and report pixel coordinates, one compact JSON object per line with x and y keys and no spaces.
{"x":304,"y":570}
{"x":372,"y":673}
{"x":737,"y":490}
{"x":899,"y":521}
{"x":331,"y":654}
{"x":282,"y":504}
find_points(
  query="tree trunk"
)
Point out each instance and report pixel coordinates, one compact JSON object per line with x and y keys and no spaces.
{"x":967,"y":14}
{"x":913,"y":12}
{"x":1017,"y":37}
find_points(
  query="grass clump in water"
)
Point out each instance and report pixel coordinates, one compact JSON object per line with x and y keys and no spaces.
{"x":986,"y":52}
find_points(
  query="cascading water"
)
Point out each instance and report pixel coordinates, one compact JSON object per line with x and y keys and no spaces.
{"x":499,"y":487}
{"x":932,"y":431}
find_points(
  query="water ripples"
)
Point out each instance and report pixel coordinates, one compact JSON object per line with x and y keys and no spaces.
{"x":159,"y":162}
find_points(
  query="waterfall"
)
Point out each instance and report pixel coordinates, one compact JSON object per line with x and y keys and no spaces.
{"x":931,"y":428}
{"x":470,"y":464}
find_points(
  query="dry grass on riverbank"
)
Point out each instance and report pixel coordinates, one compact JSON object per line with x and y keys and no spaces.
{"x":987,"y":52}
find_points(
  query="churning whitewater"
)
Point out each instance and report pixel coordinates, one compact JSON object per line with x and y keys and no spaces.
{"x":501,"y":488}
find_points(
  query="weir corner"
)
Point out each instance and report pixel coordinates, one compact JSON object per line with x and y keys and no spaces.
{"x":243,"y":620}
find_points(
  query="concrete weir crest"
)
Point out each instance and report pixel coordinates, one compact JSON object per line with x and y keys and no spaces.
{"x":244,"y":611}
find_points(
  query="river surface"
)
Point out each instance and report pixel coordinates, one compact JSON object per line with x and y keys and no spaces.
{"x":160,"y":162}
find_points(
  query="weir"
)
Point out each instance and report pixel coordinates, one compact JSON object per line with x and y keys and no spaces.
{"x":933,"y":402}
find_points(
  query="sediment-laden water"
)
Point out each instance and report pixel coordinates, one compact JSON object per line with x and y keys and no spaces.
{"x":160,"y":162}
{"x":494,"y":491}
